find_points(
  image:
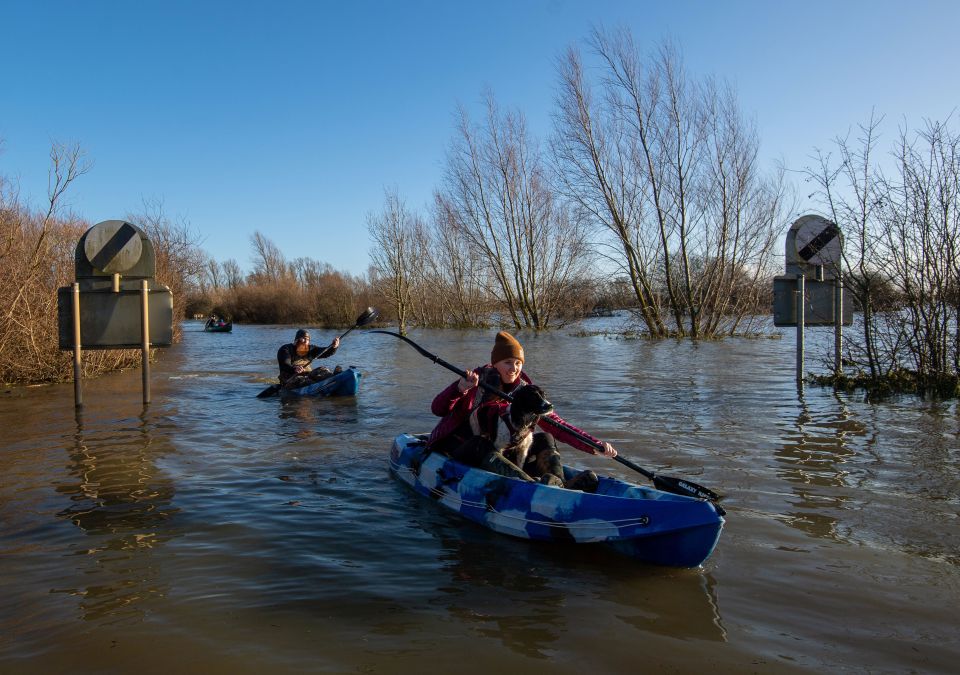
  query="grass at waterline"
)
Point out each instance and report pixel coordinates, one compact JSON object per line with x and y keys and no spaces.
{"x":900,"y":381}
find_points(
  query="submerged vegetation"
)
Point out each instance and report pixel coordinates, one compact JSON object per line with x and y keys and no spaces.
{"x":898,"y":381}
{"x":901,"y":256}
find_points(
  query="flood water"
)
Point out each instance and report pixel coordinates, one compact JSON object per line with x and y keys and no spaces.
{"x":215,"y":532}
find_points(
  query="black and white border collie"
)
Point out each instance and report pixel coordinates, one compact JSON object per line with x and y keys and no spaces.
{"x":516,"y":426}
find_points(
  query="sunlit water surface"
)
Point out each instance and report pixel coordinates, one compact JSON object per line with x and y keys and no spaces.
{"x":212,"y":531}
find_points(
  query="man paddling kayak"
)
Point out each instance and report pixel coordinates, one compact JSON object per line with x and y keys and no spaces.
{"x":295,"y":357}
{"x":468,"y":430}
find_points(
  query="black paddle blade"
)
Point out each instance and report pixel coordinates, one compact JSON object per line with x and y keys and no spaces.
{"x":680,"y":486}
{"x":368,"y":316}
{"x":269,"y":391}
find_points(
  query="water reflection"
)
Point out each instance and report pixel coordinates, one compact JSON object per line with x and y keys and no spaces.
{"x":679,"y":604}
{"x":484,"y":575}
{"x":813,"y":460}
{"x":518,"y":592}
{"x":305,"y":417}
{"x":123,"y":502}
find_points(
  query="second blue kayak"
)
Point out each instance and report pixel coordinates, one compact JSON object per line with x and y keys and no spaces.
{"x":345,"y":383}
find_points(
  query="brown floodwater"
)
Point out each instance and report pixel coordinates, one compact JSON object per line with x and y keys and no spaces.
{"x":215,"y":532}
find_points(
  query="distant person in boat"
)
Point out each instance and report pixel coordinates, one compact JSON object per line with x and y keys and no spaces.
{"x":295,"y":357}
{"x":473,"y":419}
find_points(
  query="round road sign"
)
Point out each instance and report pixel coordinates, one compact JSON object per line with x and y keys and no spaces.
{"x":113,"y":246}
{"x":818,"y":241}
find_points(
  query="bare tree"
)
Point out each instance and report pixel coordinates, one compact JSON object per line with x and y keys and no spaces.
{"x":214,"y":276}
{"x":457,"y":269}
{"x":269,"y":264}
{"x":666,"y":166}
{"x":903,"y":233}
{"x":595,"y":148}
{"x":67,"y":163}
{"x":921,"y":234}
{"x":393,"y":256}
{"x":732,"y":244}
{"x":37,"y":254}
{"x":498,"y":199}
{"x":180,"y":262}
{"x":309,"y":272}
{"x":233,"y":273}
{"x":849,"y":193}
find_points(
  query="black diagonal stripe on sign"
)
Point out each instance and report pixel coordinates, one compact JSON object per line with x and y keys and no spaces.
{"x":817,"y":243}
{"x":110,"y":250}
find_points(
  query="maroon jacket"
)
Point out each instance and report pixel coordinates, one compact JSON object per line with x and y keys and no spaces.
{"x":455,"y":406}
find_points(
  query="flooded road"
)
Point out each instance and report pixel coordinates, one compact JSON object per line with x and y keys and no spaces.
{"x":215,"y":532}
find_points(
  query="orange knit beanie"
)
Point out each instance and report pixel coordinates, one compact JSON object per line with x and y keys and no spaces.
{"x":506,"y":347}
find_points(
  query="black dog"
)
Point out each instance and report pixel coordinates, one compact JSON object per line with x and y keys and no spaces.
{"x":516,"y":450}
{"x":515,"y":433}
{"x":535,"y":454}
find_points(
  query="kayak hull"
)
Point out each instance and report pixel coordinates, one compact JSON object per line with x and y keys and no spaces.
{"x":345,"y":383}
{"x":646,"y":524}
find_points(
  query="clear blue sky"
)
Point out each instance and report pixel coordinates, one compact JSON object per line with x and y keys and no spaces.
{"x":292,"y":117}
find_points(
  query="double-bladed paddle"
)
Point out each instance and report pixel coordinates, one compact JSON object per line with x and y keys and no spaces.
{"x":368,"y":316}
{"x":677,"y":486}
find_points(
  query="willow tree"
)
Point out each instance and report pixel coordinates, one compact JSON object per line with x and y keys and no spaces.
{"x":666,"y":168}
{"x":496,"y":196}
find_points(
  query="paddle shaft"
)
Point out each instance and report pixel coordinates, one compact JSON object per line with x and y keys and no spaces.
{"x":666,"y":483}
{"x":347,"y":332}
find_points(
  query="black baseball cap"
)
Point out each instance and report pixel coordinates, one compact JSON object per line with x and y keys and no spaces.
{"x":301,"y":334}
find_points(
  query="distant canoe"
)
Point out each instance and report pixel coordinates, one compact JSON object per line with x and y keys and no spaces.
{"x":218,"y":326}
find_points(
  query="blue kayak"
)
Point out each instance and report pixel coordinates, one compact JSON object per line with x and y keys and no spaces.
{"x":644,"y":523}
{"x":345,"y":383}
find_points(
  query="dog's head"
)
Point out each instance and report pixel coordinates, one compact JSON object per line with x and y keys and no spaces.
{"x":529,"y":403}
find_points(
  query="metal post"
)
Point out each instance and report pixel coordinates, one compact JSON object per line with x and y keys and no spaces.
{"x":838,"y":327}
{"x":801,"y":291}
{"x":145,"y":333}
{"x":77,"y":350}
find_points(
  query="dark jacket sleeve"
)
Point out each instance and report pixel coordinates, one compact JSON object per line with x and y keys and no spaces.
{"x":284,"y":359}
{"x":329,"y":350}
